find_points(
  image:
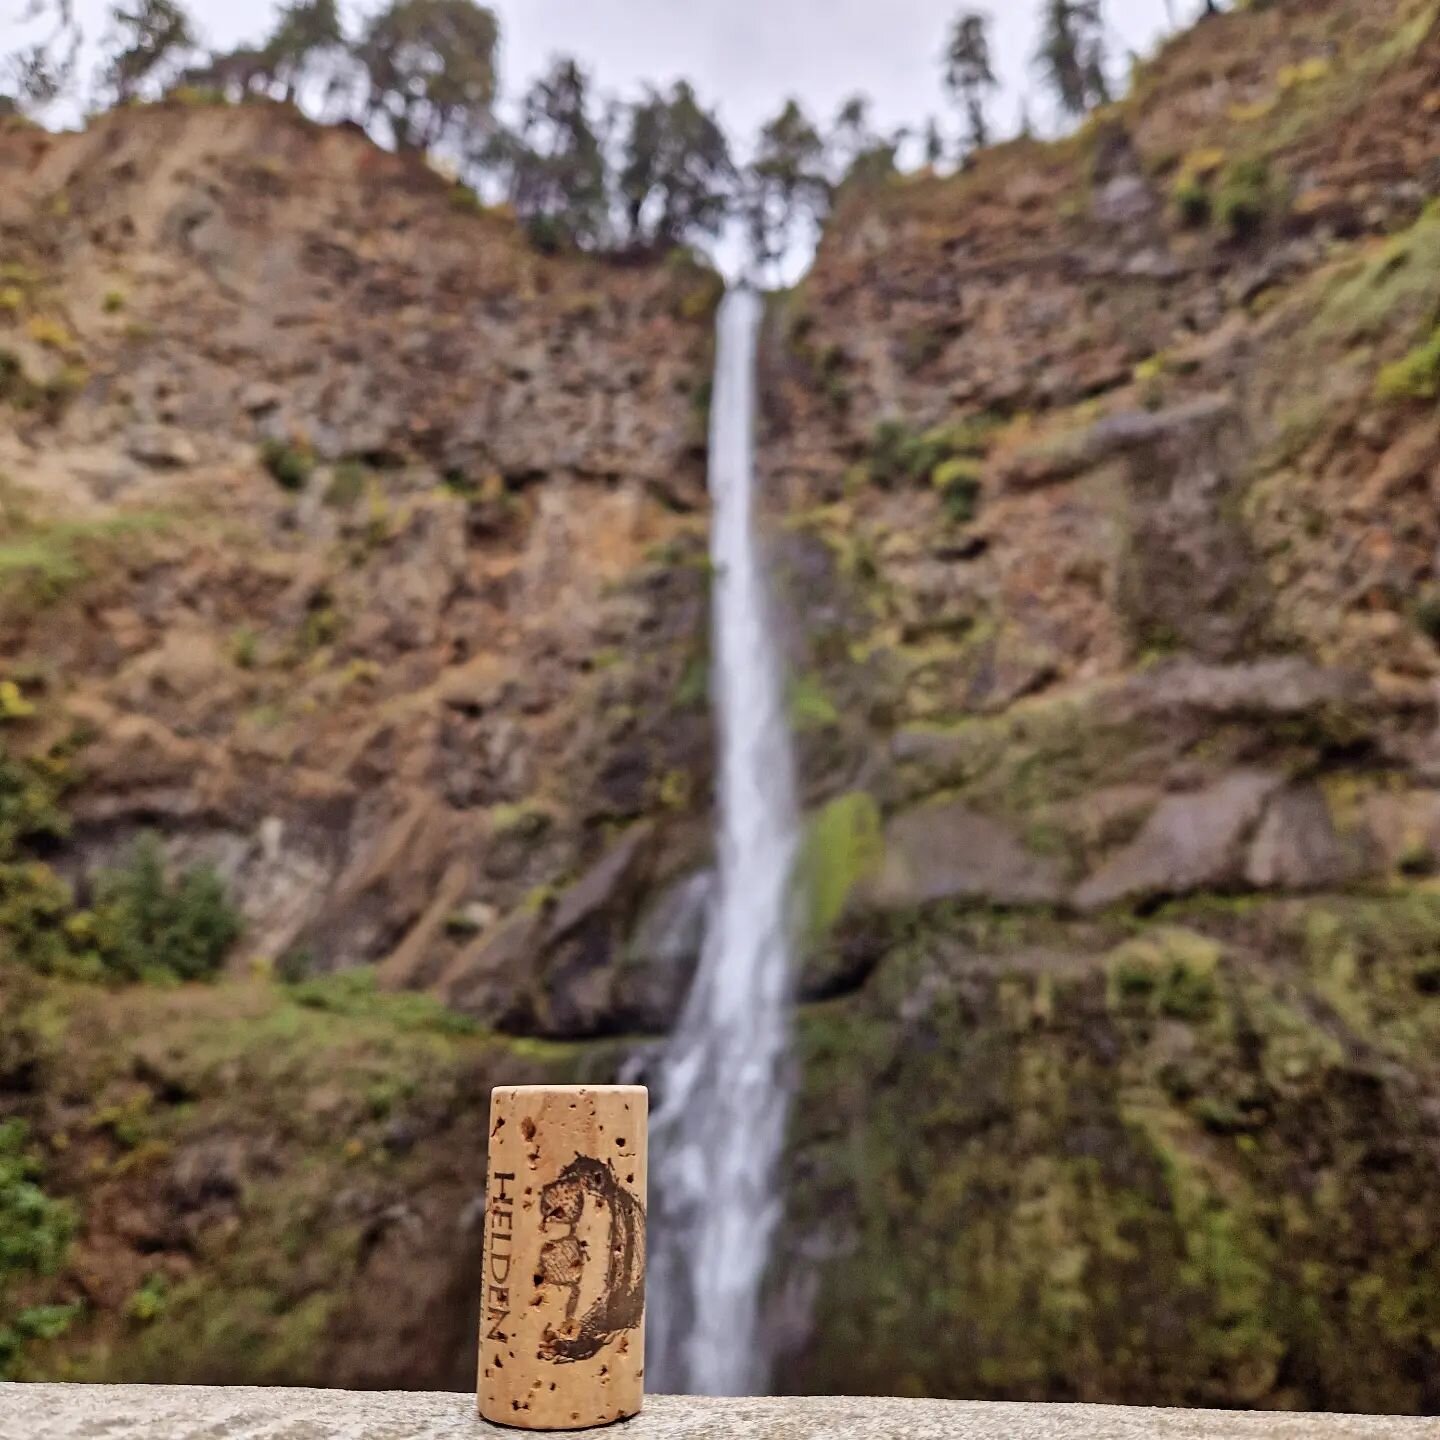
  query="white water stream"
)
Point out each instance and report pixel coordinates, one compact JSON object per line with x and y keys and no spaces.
{"x":724,"y":1081}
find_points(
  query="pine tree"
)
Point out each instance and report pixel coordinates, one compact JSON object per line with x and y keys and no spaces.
{"x":151,"y":36}
{"x":558,"y":180}
{"x":785,"y":182}
{"x":1072,"y":54}
{"x":430,"y":68}
{"x":676,"y":176}
{"x":969,"y":74}
{"x":304,"y":30}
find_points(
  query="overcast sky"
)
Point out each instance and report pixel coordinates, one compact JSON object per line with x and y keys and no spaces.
{"x":744,"y":56}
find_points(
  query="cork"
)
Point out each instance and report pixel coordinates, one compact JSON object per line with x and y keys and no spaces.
{"x":562,"y":1310}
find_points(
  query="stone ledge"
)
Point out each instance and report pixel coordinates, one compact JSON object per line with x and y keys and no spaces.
{"x":171,"y":1412}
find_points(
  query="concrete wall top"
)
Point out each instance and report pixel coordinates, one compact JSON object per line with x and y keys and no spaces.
{"x":162,"y":1412}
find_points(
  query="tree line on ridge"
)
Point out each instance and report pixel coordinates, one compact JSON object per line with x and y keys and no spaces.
{"x":582,"y":171}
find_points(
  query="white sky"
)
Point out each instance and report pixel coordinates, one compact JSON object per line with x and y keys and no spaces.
{"x":745,"y":56}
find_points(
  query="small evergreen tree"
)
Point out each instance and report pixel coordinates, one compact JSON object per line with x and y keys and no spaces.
{"x":553,"y":162}
{"x":969,"y":74}
{"x":676,"y":175}
{"x":785,"y":183}
{"x":304,"y":31}
{"x":39,"y":74}
{"x":145,"y":924}
{"x":429,"y":68}
{"x":934,"y":143}
{"x":851,"y":136}
{"x":152,"y":37}
{"x":1072,"y":54}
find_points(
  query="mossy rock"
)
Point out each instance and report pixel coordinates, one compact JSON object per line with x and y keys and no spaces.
{"x":843,"y":844}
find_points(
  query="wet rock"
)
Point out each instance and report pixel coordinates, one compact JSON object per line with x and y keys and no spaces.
{"x":1297,"y":847}
{"x":1282,"y":686}
{"x":597,"y":892}
{"x":1191,"y":842}
{"x":654,"y":974}
{"x":492,"y":978}
{"x":950,"y":852}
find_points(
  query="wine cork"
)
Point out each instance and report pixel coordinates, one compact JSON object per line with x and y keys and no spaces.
{"x":562,"y":1311}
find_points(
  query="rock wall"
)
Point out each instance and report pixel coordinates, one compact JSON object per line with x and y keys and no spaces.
{"x":369,"y":549}
{"x":1106,"y":517}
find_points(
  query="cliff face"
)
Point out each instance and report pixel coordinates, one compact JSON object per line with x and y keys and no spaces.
{"x":1104,"y":483}
{"x":360,"y":551}
{"x":402,"y":560}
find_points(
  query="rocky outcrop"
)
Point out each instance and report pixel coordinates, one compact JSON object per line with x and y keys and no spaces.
{"x":386,"y":534}
{"x":948,"y":852}
{"x":1112,"y":554}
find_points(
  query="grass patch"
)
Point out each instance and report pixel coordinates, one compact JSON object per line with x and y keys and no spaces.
{"x":40,"y":562}
{"x":35,"y":1233}
{"x":1415,"y":376}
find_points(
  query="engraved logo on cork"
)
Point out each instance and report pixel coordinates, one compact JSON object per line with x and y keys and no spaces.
{"x":594,"y":1254}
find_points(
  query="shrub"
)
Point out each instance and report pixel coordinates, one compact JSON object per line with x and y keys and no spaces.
{"x":1414,"y":377}
{"x":464,"y":199}
{"x":1245,"y":197}
{"x":958,"y":482}
{"x":47,"y":331}
{"x":295,"y":966}
{"x":114,"y":302}
{"x":146,"y":926}
{"x":35,"y":1232}
{"x":245,"y":648}
{"x":1194,"y":202}
{"x":13,"y":704}
{"x":148,"y":1302}
{"x":290,"y":466}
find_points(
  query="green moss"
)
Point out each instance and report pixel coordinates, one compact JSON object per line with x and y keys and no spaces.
{"x":693,"y":689}
{"x":810,"y":708}
{"x":289,"y":465}
{"x":958,"y":481}
{"x":1167,"y":970}
{"x":1398,"y":278}
{"x":1246,"y":197}
{"x":1153,"y":1176}
{"x":42,"y":561}
{"x":1414,"y":377}
{"x":354,"y":995}
{"x":843,"y":844}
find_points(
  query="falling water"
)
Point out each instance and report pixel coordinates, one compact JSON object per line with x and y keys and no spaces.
{"x":723,"y":1082}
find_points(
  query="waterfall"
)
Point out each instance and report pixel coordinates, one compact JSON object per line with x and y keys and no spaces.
{"x":724,"y":1082}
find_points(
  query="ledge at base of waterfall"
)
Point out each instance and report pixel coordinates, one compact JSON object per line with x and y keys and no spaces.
{"x":165,"y":1412}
